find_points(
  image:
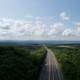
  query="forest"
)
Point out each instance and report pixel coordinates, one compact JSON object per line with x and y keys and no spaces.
{"x":69,"y":61}
{"x":21,"y":62}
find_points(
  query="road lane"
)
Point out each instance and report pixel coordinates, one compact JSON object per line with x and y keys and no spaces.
{"x":51,"y":69}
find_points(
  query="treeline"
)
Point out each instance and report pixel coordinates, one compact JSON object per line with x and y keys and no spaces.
{"x":69,"y":59}
{"x":21,"y":63}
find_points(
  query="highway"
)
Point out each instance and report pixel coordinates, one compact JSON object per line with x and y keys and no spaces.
{"x":51,"y":69}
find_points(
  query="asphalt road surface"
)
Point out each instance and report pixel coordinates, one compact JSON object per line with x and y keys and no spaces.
{"x":51,"y":69}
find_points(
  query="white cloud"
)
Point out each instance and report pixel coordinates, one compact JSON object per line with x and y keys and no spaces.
{"x":68,"y":32}
{"x":77,"y":29}
{"x":64,"y":16}
{"x":72,"y":32}
{"x":22,"y":29}
{"x":56,"y":28}
{"x":39,"y":29}
{"x":14,"y":28}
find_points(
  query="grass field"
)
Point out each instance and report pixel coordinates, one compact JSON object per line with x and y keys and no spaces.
{"x":21,"y":63}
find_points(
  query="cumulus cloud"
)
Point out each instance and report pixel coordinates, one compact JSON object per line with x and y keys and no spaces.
{"x":72,"y":32}
{"x":14,"y":27}
{"x":56,"y":28}
{"x":21,"y":28}
{"x":77,"y":29}
{"x":68,"y":33}
{"x":64,"y":16}
{"x":24,"y":29}
{"x":39,"y":29}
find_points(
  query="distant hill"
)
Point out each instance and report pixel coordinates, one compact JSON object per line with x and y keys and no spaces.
{"x":37,"y":42}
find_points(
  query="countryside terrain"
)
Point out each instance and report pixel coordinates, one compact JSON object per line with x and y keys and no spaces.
{"x":27,"y":62}
{"x":21,"y":63}
{"x":69,"y":59}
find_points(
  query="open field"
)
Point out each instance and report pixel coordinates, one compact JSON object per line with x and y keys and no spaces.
{"x":69,"y":60}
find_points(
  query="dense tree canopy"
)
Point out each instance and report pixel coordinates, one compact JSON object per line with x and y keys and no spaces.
{"x":69,"y":59}
{"x":21,"y":63}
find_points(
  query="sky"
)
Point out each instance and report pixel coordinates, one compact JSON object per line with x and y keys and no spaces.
{"x":40,"y":20}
